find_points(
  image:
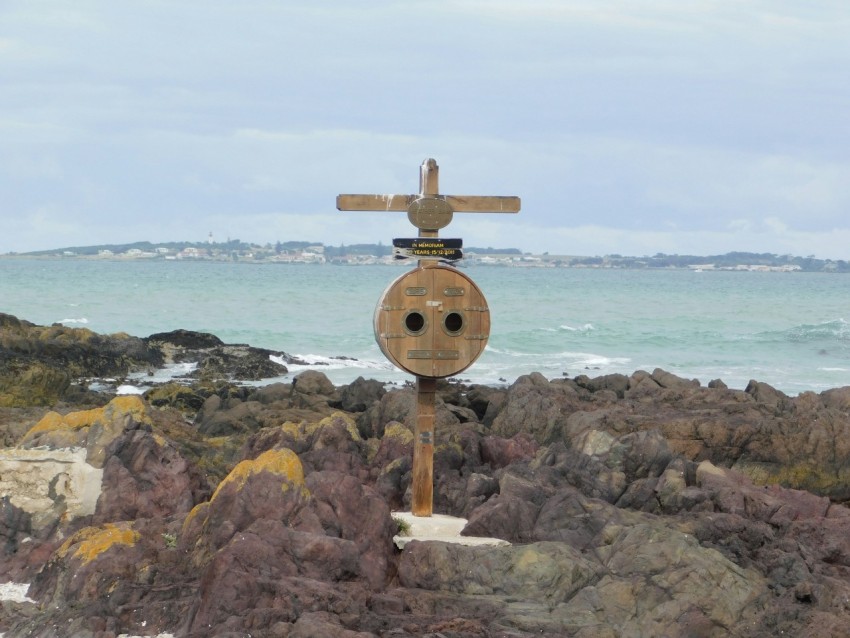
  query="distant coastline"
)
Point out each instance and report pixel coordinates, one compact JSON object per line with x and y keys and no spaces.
{"x":303,"y":252}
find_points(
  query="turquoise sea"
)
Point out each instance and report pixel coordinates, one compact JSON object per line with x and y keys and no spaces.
{"x":787,"y":329}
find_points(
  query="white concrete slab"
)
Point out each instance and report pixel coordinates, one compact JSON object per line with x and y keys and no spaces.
{"x":439,"y":527}
{"x":37,"y":479}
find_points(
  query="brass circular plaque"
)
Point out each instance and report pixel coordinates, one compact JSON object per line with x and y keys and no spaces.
{"x":429,"y":213}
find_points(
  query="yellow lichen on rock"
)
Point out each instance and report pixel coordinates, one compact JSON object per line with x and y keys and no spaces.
{"x":91,"y":429}
{"x":397,"y":430}
{"x":803,"y":475}
{"x":393,"y":466}
{"x":449,"y":446}
{"x":200,"y":510}
{"x":63,"y":334}
{"x":53,"y":421}
{"x":218,"y":442}
{"x":283,"y":462}
{"x":91,"y":542}
{"x":350,"y":425}
{"x":292,"y":428}
{"x":49,"y":422}
{"x":131,"y":404}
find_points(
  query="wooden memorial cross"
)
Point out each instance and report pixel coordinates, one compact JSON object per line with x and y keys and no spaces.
{"x":429,"y":212}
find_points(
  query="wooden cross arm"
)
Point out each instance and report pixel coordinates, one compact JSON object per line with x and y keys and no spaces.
{"x":458,"y":203}
{"x":483,"y":203}
{"x":374,"y":202}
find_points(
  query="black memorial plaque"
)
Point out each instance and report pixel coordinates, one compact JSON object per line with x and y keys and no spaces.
{"x":428,"y":248}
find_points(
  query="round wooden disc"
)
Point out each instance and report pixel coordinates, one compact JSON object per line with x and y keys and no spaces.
{"x":433,"y":321}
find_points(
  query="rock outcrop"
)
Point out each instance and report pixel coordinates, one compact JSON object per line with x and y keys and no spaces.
{"x":641,"y":505}
{"x":41,"y":365}
{"x":216,"y":359}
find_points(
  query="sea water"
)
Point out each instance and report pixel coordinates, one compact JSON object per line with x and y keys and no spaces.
{"x":787,"y":329}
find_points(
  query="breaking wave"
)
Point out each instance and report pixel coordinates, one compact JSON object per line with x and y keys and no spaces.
{"x":81,"y":320}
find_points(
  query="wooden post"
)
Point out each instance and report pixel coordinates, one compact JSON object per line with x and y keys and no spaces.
{"x":423,"y":447}
{"x":429,"y":178}
{"x":429,"y":211}
{"x":426,"y":387}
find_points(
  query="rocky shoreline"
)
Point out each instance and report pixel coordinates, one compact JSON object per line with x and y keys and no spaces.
{"x":641,"y":505}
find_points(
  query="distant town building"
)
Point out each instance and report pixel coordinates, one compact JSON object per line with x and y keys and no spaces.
{"x":190,"y":252}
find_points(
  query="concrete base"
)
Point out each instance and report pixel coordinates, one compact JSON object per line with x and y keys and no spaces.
{"x":50,"y":483}
{"x":439,"y":527}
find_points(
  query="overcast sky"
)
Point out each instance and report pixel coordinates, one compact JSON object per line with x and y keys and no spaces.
{"x":626,"y":126}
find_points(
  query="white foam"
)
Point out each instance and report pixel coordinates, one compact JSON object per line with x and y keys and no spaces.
{"x":129,"y":389}
{"x":597,"y":360}
{"x":515,"y":353}
{"x":164,"y":374}
{"x":81,"y":320}
{"x":331,"y":363}
{"x":97,"y":386}
{"x":585,"y":328}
